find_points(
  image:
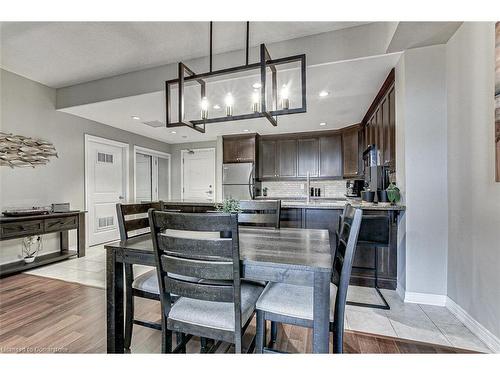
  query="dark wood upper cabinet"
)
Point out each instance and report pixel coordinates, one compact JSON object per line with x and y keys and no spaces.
{"x":268,"y":161}
{"x":240,"y":149}
{"x":351,"y":152}
{"x":287,"y":158}
{"x":308,"y":157}
{"x":380,"y":123}
{"x":330,"y":156}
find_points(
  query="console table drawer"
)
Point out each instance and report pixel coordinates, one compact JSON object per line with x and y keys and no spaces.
{"x":60,"y":223}
{"x":21,"y":229}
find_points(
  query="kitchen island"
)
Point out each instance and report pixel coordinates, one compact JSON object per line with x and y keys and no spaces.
{"x":323,"y":213}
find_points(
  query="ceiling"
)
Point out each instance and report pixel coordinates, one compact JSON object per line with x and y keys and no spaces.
{"x":59,"y":54}
{"x":352,"y":86}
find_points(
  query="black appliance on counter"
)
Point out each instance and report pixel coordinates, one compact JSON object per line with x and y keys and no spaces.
{"x":354,"y":188}
{"x":376,"y":175}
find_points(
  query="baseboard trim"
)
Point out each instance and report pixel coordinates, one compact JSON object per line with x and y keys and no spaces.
{"x":425,"y":298}
{"x":477,"y":328}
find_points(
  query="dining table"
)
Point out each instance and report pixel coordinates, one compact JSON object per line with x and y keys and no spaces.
{"x":284,"y":255}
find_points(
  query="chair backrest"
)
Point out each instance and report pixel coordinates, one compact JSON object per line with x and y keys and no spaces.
{"x":203,"y":246}
{"x":138,"y":220}
{"x":263,"y":213}
{"x":342,"y":262}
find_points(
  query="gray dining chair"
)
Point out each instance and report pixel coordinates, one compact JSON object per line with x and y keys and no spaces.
{"x":133,"y":221}
{"x":265,"y":213}
{"x":206,"y":246}
{"x":293,"y":304}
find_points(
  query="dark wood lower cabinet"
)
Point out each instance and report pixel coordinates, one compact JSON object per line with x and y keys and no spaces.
{"x":316,"y":218}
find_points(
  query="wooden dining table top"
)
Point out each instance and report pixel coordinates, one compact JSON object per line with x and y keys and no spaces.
{"x":294,"y":248}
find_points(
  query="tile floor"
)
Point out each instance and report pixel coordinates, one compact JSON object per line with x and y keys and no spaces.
{"x":426,"y":323}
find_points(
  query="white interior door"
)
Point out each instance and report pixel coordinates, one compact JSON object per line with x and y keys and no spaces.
{"x":143,"y":177}
{"x":198,"y":175}
{"x":106,"y":182}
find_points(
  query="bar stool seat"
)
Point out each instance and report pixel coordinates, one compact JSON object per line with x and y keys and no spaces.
{"x":295,"y":301}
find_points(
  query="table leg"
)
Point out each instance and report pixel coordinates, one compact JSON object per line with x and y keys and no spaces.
{"x":64,"y":241}
{"x":321,"y":312}
{"x":81,"y":245}
{"x":114,"y":303}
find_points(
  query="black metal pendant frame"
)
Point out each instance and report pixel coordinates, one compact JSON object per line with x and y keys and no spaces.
{"x":271,"y":114}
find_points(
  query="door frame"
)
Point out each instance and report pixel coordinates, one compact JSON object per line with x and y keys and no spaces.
{"x":185,"y":151}
{"x":126,"y":164}
{"x":151,"y":152}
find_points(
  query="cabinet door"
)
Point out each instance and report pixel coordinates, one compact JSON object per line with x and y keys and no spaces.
{"x":322,"y":218}
{"x":350,"y":152}
{"x":291,"y":218}
{"x":246,"y":150}
{"x":308,"y":157}
{"x":230,"y":150}
{"x":330,"y":156}
{"x":287,"y":158}
{"x":385,"y":150}
{"x":268,"y":159}
{"x":392,"y":129}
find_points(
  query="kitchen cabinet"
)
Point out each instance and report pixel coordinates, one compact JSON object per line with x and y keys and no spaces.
{"x":287,"y":158}
{"x":291,"y":218}
{"x":239,"y":149}
{"x":380,"y":124}
{"x":330,"y":156}
{"x":308,"y":157}
{"x":351,"y":152}
{"x":267,"y":156}
{"x":322,"y":218}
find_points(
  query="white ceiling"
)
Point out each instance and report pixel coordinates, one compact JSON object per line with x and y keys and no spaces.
{"x":352,"y":85}
{"x":60,"y":54}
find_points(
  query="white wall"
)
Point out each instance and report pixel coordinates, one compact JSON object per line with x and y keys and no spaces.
{"x":28,"y":108}
{"x":421,"y":137}
{"x":473,"y":194}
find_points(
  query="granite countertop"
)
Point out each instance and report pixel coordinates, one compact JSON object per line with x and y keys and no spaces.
{"x":332,"y":203}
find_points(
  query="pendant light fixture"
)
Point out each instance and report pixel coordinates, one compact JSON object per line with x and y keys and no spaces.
{"x":261,"y":102}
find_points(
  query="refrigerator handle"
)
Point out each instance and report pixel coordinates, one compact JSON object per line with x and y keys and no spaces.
{"x":251,"y":190}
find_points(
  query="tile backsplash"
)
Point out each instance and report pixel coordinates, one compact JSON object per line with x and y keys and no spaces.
{"x":297,"y":189}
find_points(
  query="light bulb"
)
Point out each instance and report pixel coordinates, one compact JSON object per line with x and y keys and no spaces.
{"x":285,"y":102}
{"x":229,"y":104}
{"x":204,"y":108}
{"x":256,"y":101}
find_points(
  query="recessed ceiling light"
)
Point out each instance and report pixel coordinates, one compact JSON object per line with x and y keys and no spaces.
{"x":322,"y":123}
{"x":245,"y":130}
{"x":257,"y":85}
{"x":173,"y":132}
{"x":135,"y":117}
{"x":216,"y":106}
{"x":323,"y":93}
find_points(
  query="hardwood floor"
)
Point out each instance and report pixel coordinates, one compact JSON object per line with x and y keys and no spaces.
{"x":42,"y":315}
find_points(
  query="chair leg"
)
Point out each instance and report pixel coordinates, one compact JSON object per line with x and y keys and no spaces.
{"x":338,"y":341}
{"x":260,"y":337}
{"x":166,"y":336}
{"x":203,"y":344}
{"x":274,"y":332}
{"x":129,"y":306}
{"x":181,"y":338}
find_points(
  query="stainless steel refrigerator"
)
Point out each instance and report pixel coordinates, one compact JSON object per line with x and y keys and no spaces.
{"x":238,"y":181}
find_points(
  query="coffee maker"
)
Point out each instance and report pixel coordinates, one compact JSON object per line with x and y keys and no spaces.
{"x":353,"y":188}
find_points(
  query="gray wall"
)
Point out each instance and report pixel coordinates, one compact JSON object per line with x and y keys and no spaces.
{"x":422,"y":91}
{"x":473,"y":194}
{"x":28,"y":108}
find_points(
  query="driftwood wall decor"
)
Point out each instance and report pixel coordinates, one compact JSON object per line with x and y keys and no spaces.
{"x":20,"y":151}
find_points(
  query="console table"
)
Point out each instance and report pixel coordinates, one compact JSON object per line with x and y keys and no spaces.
{"x":24,"y":226}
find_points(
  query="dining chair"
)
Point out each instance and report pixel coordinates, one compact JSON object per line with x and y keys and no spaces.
{"x":133,"y":221}
{"x":265,"y":213}
{"x":205,"y":246}
{"x":293,"y":304}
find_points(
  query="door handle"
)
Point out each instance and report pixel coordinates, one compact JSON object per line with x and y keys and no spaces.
{"x":121,"y":197}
